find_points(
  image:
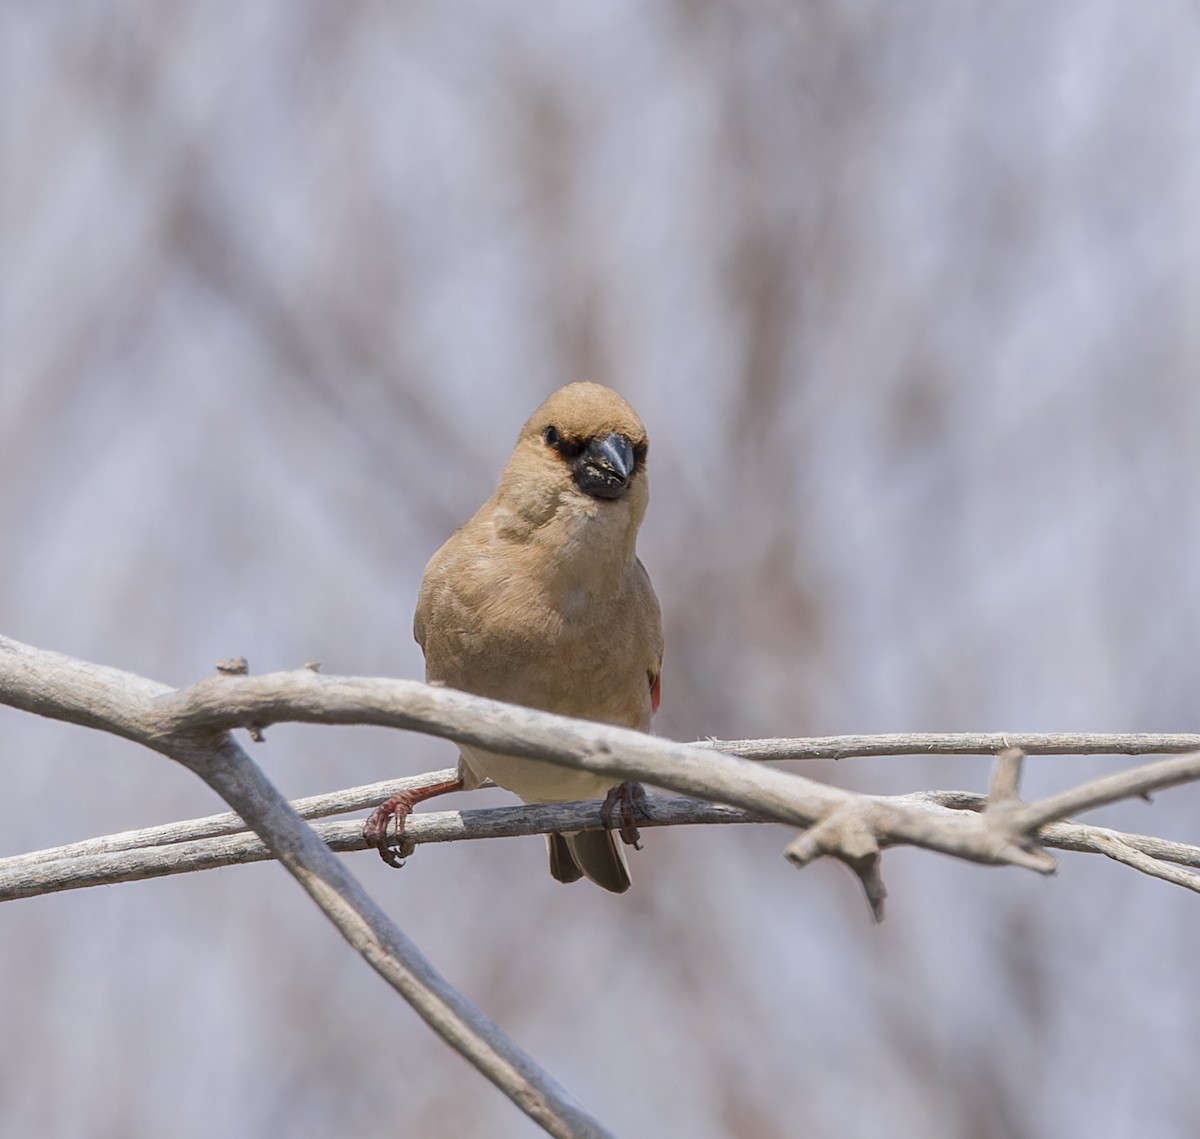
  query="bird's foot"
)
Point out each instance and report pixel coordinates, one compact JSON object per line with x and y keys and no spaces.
{"x":629,"y":799}
{"x":393,"y":849}
{"x":396,"y":847}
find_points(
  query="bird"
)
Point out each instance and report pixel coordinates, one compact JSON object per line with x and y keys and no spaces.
{"x":541,"y":600}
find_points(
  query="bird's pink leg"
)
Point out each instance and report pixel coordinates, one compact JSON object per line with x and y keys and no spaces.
{"x":630,"y":800}
{"x":395,"y":848}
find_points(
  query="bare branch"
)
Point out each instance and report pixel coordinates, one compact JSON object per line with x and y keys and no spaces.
{"x":41,"y":872}
{"x":223,"y":702}
{"x":1073,"y":836}
{"x":226,"y":701}
{"x":960,"y":743}
{"x":199,"y":845}
{"x":1141,"y":781}
{"x":57,"y":686}
{"x":228,"y":823}
{"x":1122,"y":851}
{"x":847,"y":835}
{"x":1006,"y":777}
{"x":1146,"y":853}
{"x":1090,"y":840}
{"x":192,"y":725}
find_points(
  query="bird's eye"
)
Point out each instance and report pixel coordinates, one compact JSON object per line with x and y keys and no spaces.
{"x":567,"y":448}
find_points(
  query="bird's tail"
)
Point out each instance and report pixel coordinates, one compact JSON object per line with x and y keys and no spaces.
{"x":596,"y":855}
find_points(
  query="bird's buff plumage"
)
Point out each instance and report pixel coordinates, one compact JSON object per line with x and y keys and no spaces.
{"x":540,"y":600}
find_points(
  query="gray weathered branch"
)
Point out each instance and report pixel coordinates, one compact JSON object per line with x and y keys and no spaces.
{"x":192,"y":725}
{"x":960,"y":743}
{"x":214,"y":826}
{"x":221,"y":840}
{"x":60,"y":687}
{"x":48,"y":871}
{"x":223,"y":702}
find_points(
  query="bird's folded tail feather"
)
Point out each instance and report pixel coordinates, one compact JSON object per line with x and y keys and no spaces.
{"x":596,"y":855}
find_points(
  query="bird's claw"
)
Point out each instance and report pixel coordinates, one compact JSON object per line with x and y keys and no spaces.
{"x":630,"y":800}
{"x":394,"y":848}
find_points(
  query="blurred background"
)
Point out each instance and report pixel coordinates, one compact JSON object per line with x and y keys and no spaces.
{"x":907,"y":296}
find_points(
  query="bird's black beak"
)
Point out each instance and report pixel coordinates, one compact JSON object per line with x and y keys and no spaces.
{"x":605,"y":466}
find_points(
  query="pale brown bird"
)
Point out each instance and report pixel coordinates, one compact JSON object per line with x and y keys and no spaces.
{"x":540,"y":600}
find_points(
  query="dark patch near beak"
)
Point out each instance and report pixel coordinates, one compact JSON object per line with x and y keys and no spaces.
{"x":604,"y":467}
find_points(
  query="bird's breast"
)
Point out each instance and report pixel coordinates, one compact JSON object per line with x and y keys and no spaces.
{"x":570,"y":653}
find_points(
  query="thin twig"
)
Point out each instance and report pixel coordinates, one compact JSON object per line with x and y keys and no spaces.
{"x":213,"y":826}
{"x":960,"y":743}
{"x":1141,"y":781}
{"x":194,"y":847}
{"x":29,"y":875}
{"x":1006,"y":777}
{"x":1079,"y":837}
{"x":1121,"y":851}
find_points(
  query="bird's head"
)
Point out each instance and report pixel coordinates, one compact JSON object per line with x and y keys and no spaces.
{"x":584,"y":446}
